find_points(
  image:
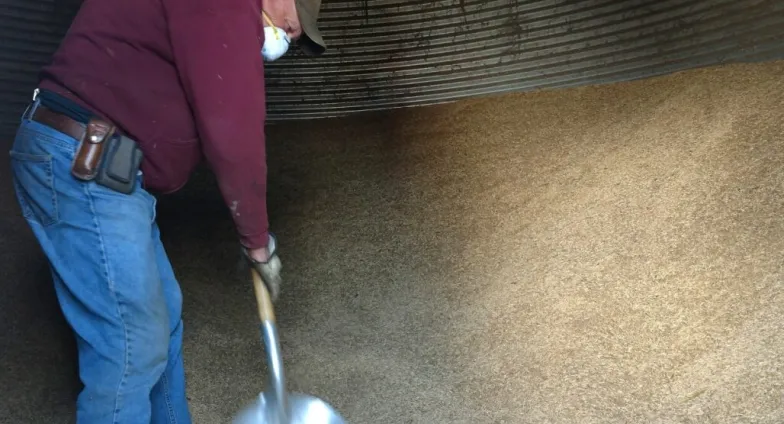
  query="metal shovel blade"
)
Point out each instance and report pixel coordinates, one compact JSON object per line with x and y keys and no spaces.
{"x":276,"y":405}
{"x":303,"y":409}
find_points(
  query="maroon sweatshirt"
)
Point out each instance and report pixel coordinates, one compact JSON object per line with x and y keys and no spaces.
{"x":185,"y":79}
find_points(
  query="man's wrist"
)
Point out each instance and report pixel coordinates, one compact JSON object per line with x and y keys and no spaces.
{"x":255,"y":241}
{"x":260,"y":255}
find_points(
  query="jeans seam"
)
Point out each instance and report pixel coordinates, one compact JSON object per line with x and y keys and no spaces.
{"x":107,"y":273}
{"x":167,"y":397}
{"x":50,"y":172}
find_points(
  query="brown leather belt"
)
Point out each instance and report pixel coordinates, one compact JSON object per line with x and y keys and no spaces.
{"x":59,"y":122}
{"x":113,"y":166}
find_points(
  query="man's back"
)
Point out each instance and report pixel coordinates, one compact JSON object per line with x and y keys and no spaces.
{"x":117,"y":61}
{"x":182,"y":77}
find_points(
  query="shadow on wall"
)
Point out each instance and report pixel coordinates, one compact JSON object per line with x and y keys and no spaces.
{"x":36,"y":346}
{"x":31,"y":32}
{"x":65,"y":11}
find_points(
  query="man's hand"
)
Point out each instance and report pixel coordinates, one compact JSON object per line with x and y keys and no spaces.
{"x":283,"y":14}
{"x":266,"y":262}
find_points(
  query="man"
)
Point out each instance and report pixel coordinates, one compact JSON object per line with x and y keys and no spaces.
{"x":174,"y":80}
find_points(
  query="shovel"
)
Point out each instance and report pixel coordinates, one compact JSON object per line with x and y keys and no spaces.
{"x":275,"y":405}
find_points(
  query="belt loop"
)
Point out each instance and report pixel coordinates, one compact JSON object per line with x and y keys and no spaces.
{"x":32,"y":107}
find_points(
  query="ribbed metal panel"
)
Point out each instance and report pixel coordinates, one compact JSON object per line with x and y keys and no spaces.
{"x":30,"y":31}
{"x":386,"y":53}
{"x":393,"y":53}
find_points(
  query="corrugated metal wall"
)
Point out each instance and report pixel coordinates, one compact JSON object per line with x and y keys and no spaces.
{"x":30,"y":31}
{"x":394,"y":53}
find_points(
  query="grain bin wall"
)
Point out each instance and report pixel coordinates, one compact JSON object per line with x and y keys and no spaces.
{"x":396,"y":53}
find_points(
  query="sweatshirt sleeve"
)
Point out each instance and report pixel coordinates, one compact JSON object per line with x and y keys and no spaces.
{"x":216,"y":45}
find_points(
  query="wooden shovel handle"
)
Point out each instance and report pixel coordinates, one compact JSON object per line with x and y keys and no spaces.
{"x":266,"y":313}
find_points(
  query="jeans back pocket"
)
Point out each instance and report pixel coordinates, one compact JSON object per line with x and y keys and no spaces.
{"x":33,"y":180}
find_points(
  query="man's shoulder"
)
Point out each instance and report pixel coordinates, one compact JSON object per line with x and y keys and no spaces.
{"x":116,"y":33}
{"x":131,"y":17}
{"x":97,"y":11}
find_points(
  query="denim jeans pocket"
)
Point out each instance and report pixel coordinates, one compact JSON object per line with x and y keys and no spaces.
{"x":149,"y":196}
{"x":34,"y":185}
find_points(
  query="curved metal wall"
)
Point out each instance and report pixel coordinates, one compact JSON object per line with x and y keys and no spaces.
{"x":30,"y":31}
{"x":394,"y":53}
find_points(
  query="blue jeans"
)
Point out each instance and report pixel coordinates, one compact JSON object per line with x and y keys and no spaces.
{"x":113,"y":280}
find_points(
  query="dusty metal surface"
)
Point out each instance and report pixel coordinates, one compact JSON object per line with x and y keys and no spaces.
{"x":394,"y":53}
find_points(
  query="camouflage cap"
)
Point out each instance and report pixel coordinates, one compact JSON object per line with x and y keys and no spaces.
{"x":311,"y":41}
